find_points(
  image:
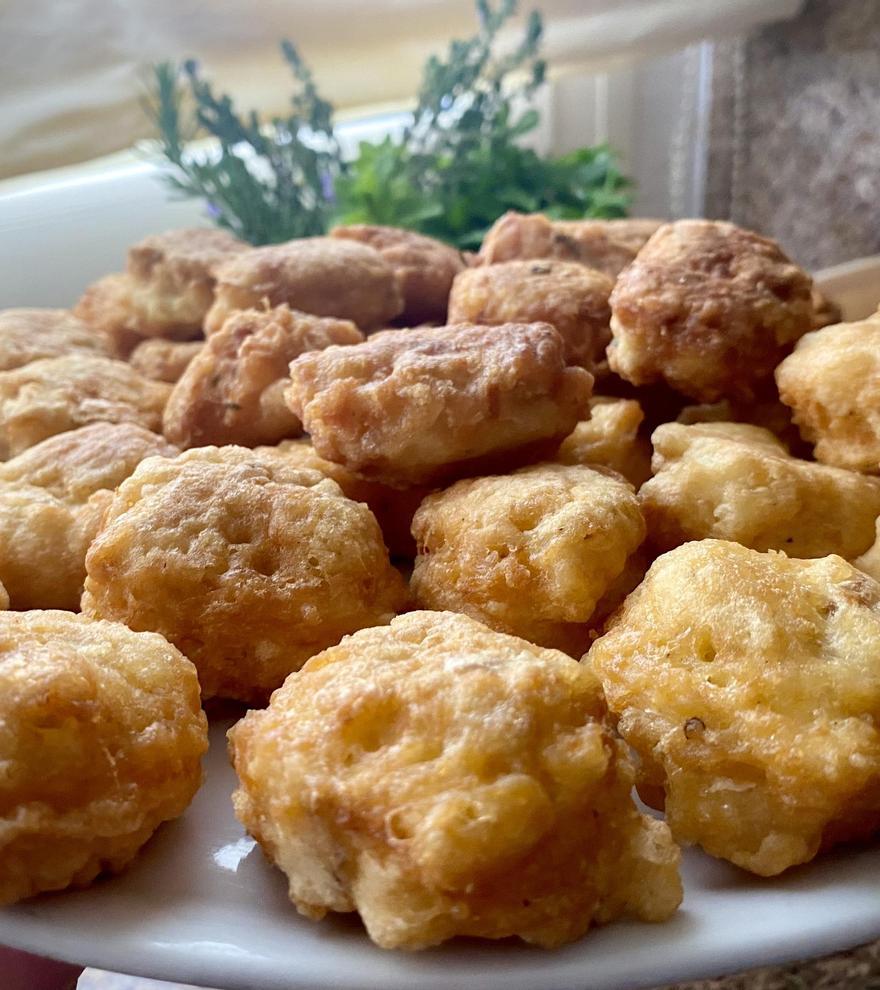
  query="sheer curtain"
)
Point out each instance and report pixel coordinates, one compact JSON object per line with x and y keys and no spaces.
{"x":72,"y":70}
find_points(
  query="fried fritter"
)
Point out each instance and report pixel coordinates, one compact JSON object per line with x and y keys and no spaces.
{"x":530,"y":553}
{"x":416,"y":407}
{"x":569,"y":296}
{"x":247,"y":564}
{"x":233,"y":391}
{"x":606,"y":245}
{"x":106,"y":306}
{"x":442,"y":779}
{"x":393,"y":507}
{"x":832,"y":384}
{"x":765,"y":411}
{"x":54,"y":395}
{"x":424,"y":268}
{"x":710,"y":309}
{"x":166,"y":291}
{"x":101,"y":736}
{"x":30,"y":334}
{"x":164,"y":360}
{"x":325,"y":276}
{"x":749,"y":685}
{"x":731,"y":481}
{"x":610,"y":437}
{"x":52,"y":498}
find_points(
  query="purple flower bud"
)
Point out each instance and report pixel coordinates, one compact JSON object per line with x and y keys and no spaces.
{"x":327,"y":187}
{"x":213,"y":210}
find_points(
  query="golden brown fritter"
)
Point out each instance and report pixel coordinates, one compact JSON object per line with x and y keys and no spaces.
{"x":106,"y":306}
{"x":76,"y":464}
{"x":765,"y":411}
{"x":247,"y":564}
{"x":54,"y":395}
{"x":101,"y":736}
{"x":530,"y":553}
{"x":233,"y":392}
{"x":30,"y":334}
{"x":442,"y":779}
{"x":606,"y":245}
{"x":832,"y":384}
{"x":412,"y":408}
{"x":610,"y":438}
{"x":731,"y":481}
{"x":393,"y":507}
{"x":570,"y":297}
{"x":166,"y":291}
{"x":424,"y":268}
{"x":749,"y":685}
{"x":52,"y":497}
{"x":710,"y":309}
{"x":325,"y":276}
{"x":164,"y":360}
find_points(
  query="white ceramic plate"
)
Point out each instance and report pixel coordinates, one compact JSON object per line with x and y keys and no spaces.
{"x":201,"y":906}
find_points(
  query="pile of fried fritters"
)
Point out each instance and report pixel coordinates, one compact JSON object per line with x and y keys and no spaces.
{"x":413,"y":494}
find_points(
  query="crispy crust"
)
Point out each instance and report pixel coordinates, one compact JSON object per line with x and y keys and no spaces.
{"x":30,"y":334}
{"x":531,"y":553}
{"x":424,"y":268}
{"x":610,"y":438}
{"x":832,"y":384}
{"x":248,"y":564}
{"x":418,"y":406}
{"x":731,"y":481}
{"x":164,"y":360}
{"x":52,"y":497}
{"x":606,"y":245}
{"x":166,"y":290}
{"x":393,"y":507}
{"x":326,"y":276}
{"x":443,"y":779}
{"x":57,"y":394}
{"x":570,"y":297}
{"x":749,"y":686}
{"x":232,"y":392}
{"x":101,"y":736}
{"x":710,"y":309}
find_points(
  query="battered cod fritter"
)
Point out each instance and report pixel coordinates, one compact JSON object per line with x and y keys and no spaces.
{"x":54,"y":395}
{"x":422,"y":406}
{"x":531,"y":553}
{"x":710,"y":309}
{"x":393,"y":507}
{"x":832,"y":384}
{"x":247,"y":564}
{"x":610,"y":438}
{"x":325,"y":276}
{"x":164,"y":360}
{"x":442,"y":779}
{"x":570,"y":297}
{"x":749,"y":685}
{"x":606,"y":245}
{"x":166,"y":291}
{"x":30,"y":334}
{"x":233,"y":391}
{"x":52,"y":498}
{"x":101,"y":734}
{"x":736,"y":482}
{"x":424,"y":268}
